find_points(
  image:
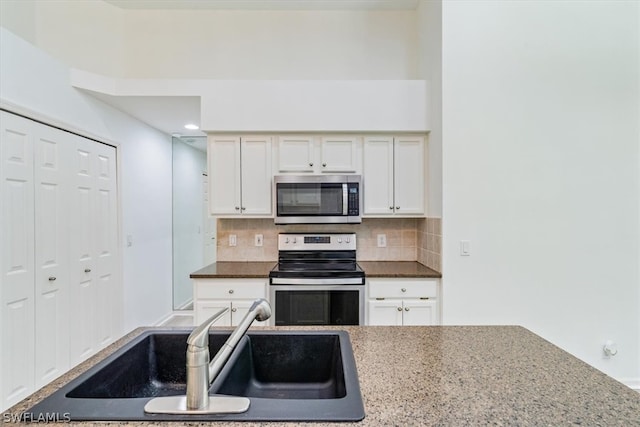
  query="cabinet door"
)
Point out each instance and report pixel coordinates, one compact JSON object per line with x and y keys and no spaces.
{"x":256,"y":175}
{"x":204,"y":309}
{"x":419,"y":312}
{"x":295,"y":154}
{"x":385,"y":312}
{"x":409,"y":180}
{"x":223,"y":159}
{"x":378,"y":176}
{"x":16,"y":260}
{"x":339,"y":154}
{"x":239,"y":309}
{"x":52,"y":163}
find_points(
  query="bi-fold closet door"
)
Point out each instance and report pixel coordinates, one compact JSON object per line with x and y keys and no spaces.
{"x":59,"y":254}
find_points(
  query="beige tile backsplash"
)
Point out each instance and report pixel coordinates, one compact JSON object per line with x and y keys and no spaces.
{"x":408,"y":239}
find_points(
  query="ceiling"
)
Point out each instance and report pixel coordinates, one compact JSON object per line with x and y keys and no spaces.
{"x":268,"y":4}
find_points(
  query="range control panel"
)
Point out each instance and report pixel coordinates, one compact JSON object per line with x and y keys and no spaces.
{"x":316,"y":242}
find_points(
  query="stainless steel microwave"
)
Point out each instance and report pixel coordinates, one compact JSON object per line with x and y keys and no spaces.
{"x":317,"y":199}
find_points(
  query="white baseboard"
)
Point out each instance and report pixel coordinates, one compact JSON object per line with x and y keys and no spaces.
{"x":632,"y":383}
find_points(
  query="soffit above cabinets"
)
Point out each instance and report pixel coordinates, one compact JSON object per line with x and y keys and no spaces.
{"x":267,"y":4}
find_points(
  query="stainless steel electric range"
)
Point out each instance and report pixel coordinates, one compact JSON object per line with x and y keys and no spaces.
{"x":317,"y":280}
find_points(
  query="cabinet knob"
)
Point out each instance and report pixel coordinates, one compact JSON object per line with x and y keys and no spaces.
{"x":397,"y":207}
{"x":391,"y":207}
{"x":237,"y":208}
{"x":404,"y":289}
{"x":243,"y":208}
{"x":311,"y":164}
{"x":324,"y":165}
{"x":230,"y":291}
{"x":399,"y":308}
{"x":406,"y":309}
{"x":234,"y":309}
{"x":51,"y":279}
{"x":87,"y":270}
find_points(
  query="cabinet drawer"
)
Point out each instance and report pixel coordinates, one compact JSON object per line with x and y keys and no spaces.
{"x":395,"y":288}
{"x":230,"y":289}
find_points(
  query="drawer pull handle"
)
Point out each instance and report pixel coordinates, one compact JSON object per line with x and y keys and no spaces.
{"x":404,"y":289}
{"x":87,"y":270}
{"x":52,"y":278}
{"x":230,"y":291}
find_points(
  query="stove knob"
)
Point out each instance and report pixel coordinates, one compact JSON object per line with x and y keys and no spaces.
{"x":294,"y":241}
{"x":339,"y":240}
{"x":347,"y":240}
{"x":286,"y":240}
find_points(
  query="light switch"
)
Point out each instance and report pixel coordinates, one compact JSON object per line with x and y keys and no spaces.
{"x":465,"y":248}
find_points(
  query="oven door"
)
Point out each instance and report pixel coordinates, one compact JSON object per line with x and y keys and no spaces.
{"x":305,"y":305}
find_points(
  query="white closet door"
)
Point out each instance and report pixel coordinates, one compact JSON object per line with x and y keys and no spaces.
{"x":83,"y":292}
{"x":106,"y":244}
{"x":16,"y":259}
{"x":52,"y":161}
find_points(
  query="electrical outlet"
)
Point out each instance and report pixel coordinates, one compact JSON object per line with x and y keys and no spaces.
{"x":258,"y":239}
{"x":233,"y":240}
{"x":382,"y":240}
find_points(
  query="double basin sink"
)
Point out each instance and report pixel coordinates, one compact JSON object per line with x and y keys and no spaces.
{"x":287,"y":376}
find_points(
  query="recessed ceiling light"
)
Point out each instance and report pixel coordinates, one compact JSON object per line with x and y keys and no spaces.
{"x":191,"y":126}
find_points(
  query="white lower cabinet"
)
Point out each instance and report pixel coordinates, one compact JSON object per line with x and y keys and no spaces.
{"x":402,"y":302}
{"x":213,"y":295}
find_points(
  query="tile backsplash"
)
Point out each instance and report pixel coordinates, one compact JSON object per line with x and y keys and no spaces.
{"x":408,"y":239}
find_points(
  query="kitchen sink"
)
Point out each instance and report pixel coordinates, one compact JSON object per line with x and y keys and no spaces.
{"x":287,"y":376}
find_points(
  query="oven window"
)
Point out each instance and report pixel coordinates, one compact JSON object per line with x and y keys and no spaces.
{"x":309,"y":199}
{"x":317,"y":307}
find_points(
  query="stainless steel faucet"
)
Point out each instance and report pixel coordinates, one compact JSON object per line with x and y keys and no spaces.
{"x":201,"y":373}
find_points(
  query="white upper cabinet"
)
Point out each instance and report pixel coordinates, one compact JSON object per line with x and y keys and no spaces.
{"x":394,"y":176}
{"x":316,"y":155}
{"x":340,"y":154}
{"x":239,"y":175}
{"x":296,"y":154}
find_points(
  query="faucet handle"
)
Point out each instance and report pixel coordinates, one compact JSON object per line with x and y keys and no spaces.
{"x":200,"y":335}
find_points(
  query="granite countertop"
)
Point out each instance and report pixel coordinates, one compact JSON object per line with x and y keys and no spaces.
{"x":236,"y":270}
{"x":456,"y":375}
{"x":260,"y":270}
{"x":397,"y":269}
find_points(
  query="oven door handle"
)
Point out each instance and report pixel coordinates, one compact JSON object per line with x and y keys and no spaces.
{"x":313,"y":282}
{"x":345,"y":199}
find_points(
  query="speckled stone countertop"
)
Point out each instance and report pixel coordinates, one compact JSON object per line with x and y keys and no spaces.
{"x":236,"y":270}
{"x":456,"y":376}
{"x":397,"y":269}
{"x":260,"y":270}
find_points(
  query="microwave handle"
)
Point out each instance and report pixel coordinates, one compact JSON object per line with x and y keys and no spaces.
{"x":345,"y":199}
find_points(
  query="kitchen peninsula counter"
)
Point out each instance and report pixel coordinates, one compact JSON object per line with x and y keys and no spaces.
{"x":456,"y":375}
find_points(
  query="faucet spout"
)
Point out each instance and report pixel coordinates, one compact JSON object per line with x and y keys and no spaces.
{"x":201,"y":373}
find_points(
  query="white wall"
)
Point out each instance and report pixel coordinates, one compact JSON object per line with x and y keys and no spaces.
{"x":32,"y":82}
{"x":219,"y":44}
{"x":429,"y":15}
{"x":188,"y":221}
{"x":541,"y":172}
{"x":271,"y":44}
